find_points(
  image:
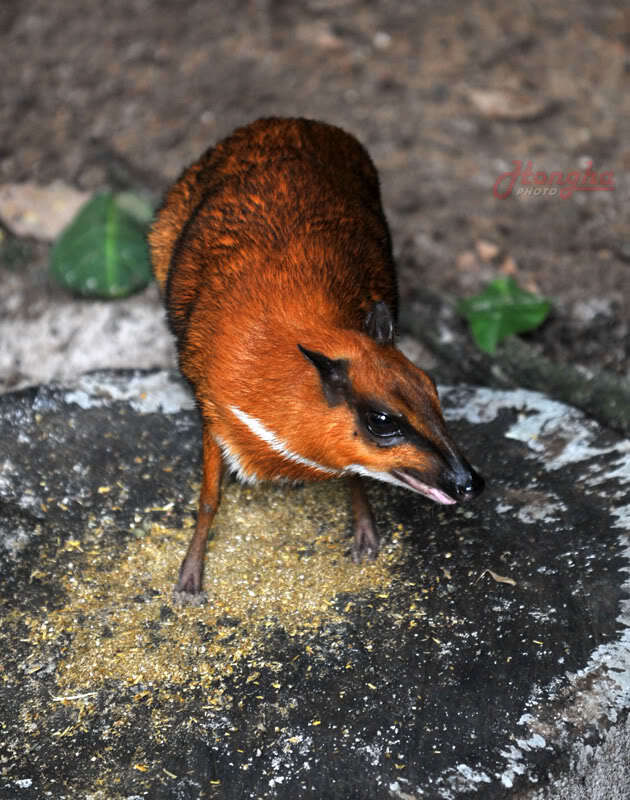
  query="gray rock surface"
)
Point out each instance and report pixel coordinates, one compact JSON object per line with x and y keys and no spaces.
{"x":485,"y":654}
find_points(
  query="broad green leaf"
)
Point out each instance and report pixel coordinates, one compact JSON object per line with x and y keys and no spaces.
{"x":502,"y":309}
{"x":103,"y":252}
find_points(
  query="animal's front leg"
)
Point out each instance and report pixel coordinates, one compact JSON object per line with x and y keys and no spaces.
{"x":366,"y":542}
{"x":191,"y":570}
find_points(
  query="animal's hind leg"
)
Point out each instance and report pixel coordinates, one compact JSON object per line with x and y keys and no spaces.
{"x":191,"y":570}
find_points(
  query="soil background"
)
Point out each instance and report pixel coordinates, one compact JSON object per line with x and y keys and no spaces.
{"x":445,"y":95}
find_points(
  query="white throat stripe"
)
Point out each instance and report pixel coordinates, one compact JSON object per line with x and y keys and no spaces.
{"x":276,"y":444}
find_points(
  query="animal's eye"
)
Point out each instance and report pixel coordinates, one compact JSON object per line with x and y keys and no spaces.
{"x":381,"y":425}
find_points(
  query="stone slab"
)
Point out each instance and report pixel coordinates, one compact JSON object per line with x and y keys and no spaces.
{"x":485,"y":654}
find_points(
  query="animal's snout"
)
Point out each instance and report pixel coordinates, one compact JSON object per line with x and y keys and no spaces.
{"x":466,"y":482}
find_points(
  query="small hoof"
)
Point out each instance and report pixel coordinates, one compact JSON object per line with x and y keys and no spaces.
{"x":366,"y":542}
{"x":363,"y":551}
{"x":190,"y":576}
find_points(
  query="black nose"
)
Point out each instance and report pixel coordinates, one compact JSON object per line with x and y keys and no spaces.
{"x":467,"y":483}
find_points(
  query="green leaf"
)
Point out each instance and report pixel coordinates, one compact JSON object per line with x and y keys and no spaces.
{"x":501,"y":310}
{"x":103,"y":252}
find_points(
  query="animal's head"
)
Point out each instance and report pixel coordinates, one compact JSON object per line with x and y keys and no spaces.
{"x":386,"y":418}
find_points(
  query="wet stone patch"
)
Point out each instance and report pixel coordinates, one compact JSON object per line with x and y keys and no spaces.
{"x":483,"y":645}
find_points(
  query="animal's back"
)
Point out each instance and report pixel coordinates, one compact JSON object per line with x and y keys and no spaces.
{"x":287,"y":210}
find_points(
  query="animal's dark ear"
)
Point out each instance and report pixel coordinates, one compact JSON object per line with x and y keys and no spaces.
{"x":379,"y":324}
{"x":333,"y":374}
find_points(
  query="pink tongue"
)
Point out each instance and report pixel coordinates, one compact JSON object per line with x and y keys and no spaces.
{"x":428,"y":491}
{"x":438,"y":496}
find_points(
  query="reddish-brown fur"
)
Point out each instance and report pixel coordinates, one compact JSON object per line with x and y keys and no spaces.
{"x":276,"y":238}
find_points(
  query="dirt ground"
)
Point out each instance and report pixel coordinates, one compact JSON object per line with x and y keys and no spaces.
{"x":446,"y":96}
